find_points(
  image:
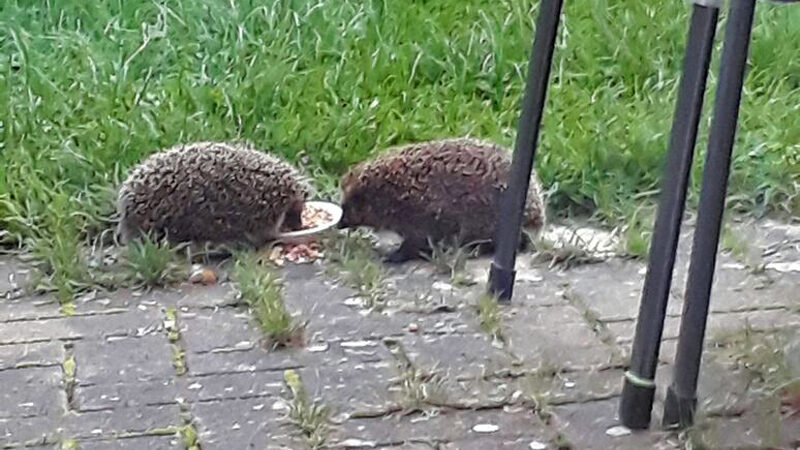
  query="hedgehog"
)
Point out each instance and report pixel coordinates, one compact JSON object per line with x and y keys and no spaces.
{"x":437,"y":191}
{"x":211,"y":192}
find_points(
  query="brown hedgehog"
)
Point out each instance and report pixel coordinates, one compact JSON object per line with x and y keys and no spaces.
{"x":435,"y":191}
{"x":211,"y":192}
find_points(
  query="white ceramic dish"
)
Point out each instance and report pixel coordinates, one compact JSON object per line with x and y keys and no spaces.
{"x":336,"y":215}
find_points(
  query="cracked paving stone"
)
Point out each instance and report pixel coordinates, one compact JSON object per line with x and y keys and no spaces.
{"x":543,"y":316}
{"x":351,"y":388}
{"x":34,"y":391}
{"x":28,"y":355}
{"x":243,"y":424}
{"x":233,"y":386}
{"x":232,"y":360}
{"x":584,"y":426}
{"x":134,"y":443}
{"x":718,"y":322}
{"x":27,"y":429}
{"x":99,"y":326}
{"x":547,"y":293}
{"x":123,"y":360}
{"x":458,"y":356}
{"x":444,"y":426}
{"x":220,"y":295}
{"x":624,"y":331}
{"x":111,"y":423}
{"x":116,"y":395}
{"x":127,"y":300}
{"x":751,"y":430}
{"x":208,"y":330}
{"x":485,"y":443}
{"x":570,"y":348}
{"x":28,"y":309}
{"x":720,"y":388}
{"x":570,"y":387}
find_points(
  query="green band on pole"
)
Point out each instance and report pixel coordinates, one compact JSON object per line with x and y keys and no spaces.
{"x":639,"y":381}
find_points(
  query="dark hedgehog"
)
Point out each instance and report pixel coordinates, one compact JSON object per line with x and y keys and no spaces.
{"x":211,"y":192}
{"x":444,"y":190}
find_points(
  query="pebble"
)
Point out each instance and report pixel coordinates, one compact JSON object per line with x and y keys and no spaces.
{"x":618,"y":431}
{"x":485,"y":428}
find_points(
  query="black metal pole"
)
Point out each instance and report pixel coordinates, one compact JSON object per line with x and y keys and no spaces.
{"x":639,"y":386}
{"x":680,"y":403}
{"x":512,"y":203}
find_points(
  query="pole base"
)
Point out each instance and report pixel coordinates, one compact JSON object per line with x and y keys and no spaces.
{"x":678,"y":411}
{"x":501,"y":283}
{"x":636,"y":405}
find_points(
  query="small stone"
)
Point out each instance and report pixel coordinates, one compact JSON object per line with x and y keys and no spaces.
{"x":318,"y":348}
{"x":195,"y":386}
{"x":441,"y":286}
{"x":412,"y":327}
{"x":141,"y":308}
{"x":353,"y":301}
{"x":358,"y":344}
{"x":356,"y":443}
{"x":280,"y":405}
{"x":536,"y":445}
{"x":618,"y":431}
{"x":485,"y":428}
{"x":569,"y":384}
{"x":785,"y":267}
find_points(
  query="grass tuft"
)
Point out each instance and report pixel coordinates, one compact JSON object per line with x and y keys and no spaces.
{"x":153,"y":264}
{"x":352,"y":261}
{"x":312,"y":418}
{"x":262,"y":291}
{"x":451,"y":260}
{"x":490,"y":317}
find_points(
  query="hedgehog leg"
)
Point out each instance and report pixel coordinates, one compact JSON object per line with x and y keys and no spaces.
{"x":408,"y":250}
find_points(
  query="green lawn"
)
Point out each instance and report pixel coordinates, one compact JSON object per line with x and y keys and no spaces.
{"x":87,"y":88}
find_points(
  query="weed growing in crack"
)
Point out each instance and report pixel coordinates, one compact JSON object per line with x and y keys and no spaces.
{"x":637,"y":232}
{"x":262,"y":291}
{"x":188,"y":435}
{"x":761,"y":354}
{"x":152,"y":263}
{"x":490,"y":317}
{"x":69,"y":367}
{"x":564,"y":253}
{"x":173,"y":334}
{"x":764,"y":356}
{"x":69,"y":444}
{"x":450,"y":259}
{"x":734,"y":244}
{"x":538,"y":386}
{"x":311,"y":418}
{"x":418,"y":388}
{"x":352,"y":262}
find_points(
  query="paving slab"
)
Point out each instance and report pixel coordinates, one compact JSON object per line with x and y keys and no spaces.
{"x":136,"y":443}
{"x":143,"y":359}
{"x":244,"y":424}
{"x":34,"y":391}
